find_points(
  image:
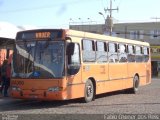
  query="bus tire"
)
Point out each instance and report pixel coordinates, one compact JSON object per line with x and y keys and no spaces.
{"x":89,"y":91}
{"x":134,"y":89}
{"x":135,"y":84}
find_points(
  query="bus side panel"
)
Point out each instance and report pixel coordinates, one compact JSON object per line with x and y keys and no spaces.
{"x":102,"y":78}
{"x":99,"y":72}
{"x":131,"y":73}
{"x":148,"y":72}
{"x":146,"y":68}
{"x":136,"y":68}
{"x":75,"y":90}
{"x":117,"y":75}
{"x":141,"y":70}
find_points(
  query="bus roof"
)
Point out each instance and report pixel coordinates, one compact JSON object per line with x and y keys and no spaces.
{"x":93,"y":36}
{"x":104,"y":37}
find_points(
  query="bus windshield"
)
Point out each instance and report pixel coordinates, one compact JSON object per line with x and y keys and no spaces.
{"x":38,"y":59}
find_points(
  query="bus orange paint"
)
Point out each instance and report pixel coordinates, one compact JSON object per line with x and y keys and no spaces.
{"x":74,"y":64}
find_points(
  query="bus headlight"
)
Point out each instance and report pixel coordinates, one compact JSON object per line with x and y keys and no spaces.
{"x":15,"y":88}
{"x":54,"y":89}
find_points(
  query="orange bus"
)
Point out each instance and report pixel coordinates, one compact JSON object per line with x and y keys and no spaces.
{"x":60,"y":64}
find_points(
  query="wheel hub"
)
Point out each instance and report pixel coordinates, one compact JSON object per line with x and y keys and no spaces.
{"x":89,"y":91}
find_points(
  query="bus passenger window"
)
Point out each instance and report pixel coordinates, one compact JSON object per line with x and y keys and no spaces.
{"x":112,"y":54}
{"x":122,"y":53}
{"x":131,"y":54}
{"x":101,"y":53}
{"x":146,"y":54}
{"x":89,"y":54}
{"x":73,"y":53}
{"x":139,"y":56}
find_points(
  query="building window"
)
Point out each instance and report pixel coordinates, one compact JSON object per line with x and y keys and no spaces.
{"x":114,"y":34}
{"x":154,"y":34}
{"x":136,"y":35}
{"x":141,"y":34}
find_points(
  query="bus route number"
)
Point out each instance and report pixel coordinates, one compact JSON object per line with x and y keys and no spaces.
{"x":17,"y":82}
{"x":40,"y":35}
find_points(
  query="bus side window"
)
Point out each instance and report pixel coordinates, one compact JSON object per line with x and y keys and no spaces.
{"x":101,"y":53}
{"x":131,"y":53}
{"x":139,"y":56}
{"x":122,"y":53}
{"x":73,"y":52}
{"x":112,"y":53}
{"x":89,"y":53}
{"x":146,"y":54}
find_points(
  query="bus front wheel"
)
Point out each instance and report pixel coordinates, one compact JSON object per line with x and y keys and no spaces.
{"x":89,"y":91}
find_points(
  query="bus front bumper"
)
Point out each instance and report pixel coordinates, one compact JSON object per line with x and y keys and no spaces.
{"x":39,"y":95}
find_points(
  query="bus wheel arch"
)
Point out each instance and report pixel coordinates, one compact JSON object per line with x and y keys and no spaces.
{"x":90,"y":90}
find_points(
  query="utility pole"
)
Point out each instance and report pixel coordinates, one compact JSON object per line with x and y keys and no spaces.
{"x":109,"y":19}
{"x":156,"y":18}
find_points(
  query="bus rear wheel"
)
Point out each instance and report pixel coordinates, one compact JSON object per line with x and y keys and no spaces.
{"x":89,"y":91}
{"x":134,"y":89}
{"x":135,"y":84}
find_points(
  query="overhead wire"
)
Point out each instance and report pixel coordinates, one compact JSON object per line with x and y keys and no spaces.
{"x":42,"y":7}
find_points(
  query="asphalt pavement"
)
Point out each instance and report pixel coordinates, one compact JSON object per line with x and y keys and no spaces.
{"x":116,"y":105}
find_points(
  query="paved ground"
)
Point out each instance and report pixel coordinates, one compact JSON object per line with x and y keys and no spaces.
{"x":146,"y":101}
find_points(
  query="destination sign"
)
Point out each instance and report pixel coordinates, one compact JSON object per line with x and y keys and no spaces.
{"x":39,"y":35}
{"x":43,"y":35}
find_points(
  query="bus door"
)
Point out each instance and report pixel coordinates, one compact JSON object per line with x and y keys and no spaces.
{"x":74,"y":83}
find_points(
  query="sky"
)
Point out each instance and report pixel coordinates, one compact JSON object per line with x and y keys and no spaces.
{"x":62,"y":13}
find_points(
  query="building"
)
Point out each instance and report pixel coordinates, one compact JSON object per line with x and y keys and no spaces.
{"x":7,"y":38}
{"x":146,"y":31}
{"x":8,"y":33}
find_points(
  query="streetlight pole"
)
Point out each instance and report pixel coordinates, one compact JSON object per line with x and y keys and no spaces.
{"x":102,"y":15}
{"x":70,"y":21}
{"x":89,"y":24}
{"x":81,"y":24}
{"x":104,"y":21}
